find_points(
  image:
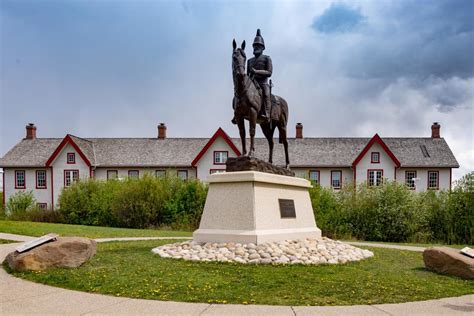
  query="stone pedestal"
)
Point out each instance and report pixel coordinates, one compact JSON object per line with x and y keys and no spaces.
{"x":256,"y":207}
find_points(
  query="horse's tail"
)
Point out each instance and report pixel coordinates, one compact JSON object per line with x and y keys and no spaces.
{"x":283,"y":120}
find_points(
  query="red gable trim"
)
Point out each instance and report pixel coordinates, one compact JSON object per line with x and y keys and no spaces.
{"x":376,"y":139}
{"x":64,"y":142}
{"x":219,"y":133}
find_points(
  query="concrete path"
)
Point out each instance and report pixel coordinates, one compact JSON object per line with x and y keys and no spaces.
{"x":20,"y":297}
{"x":399,"y":247}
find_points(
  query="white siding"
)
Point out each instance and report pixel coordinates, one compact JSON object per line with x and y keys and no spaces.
{"x":41,"y":195}
{"x":325,"y":175}
{"x":60,"y":164}
{"x":386,"y":164}
{"x":206,"y":163}
{"x":101,"y":172}
{"x":422,"y":174}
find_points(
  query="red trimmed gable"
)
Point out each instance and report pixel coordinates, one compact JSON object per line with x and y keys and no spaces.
{"x":219,"y":133}
{"x":378,"y":140}
{"x":64,"y":142}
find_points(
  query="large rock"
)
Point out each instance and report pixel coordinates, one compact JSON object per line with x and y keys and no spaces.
{"x":253,"y":164}
{"x":65,"y":252}
{"x":449,"y":261}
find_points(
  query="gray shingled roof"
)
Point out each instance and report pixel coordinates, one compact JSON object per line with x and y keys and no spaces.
{"x":181,"y":151}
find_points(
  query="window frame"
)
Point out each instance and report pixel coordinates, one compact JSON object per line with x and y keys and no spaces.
{"x":340,"y":180}
{"x":160,"y":170}
{"x":73,"y":155}
{"x":212,"y":171}
{"x":318,"y":181}
{"x":182,"y":170}
{"x":16,"y":179}
{"x":45,"y":179}
{"x":42,"y":206}
{"x":375,"y":178}
{"x":134,"y":170}
{"x":112,"y":170}
{"x":372,"y":157}
{"x":428,"y":180}
{"x":72,"y":180}
{"x":220,"y":151}
{"x":414,"y":182}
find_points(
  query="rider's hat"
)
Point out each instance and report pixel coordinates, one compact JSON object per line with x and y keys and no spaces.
{"x":259,"y":39}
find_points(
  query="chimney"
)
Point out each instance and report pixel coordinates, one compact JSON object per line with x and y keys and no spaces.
{"x":435,"y":130}
{"x":30,"y":131}
{"x":162,"y":131}
{"x":299,"y":130}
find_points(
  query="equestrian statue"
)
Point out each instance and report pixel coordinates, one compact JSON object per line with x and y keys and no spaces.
{"x":253,"y":100}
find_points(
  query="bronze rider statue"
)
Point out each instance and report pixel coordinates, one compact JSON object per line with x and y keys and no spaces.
{"x":260,"y":69}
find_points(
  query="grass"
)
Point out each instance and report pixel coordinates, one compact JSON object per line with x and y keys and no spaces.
{"x":39,"y":229}
{"x":412,"y":244}
{"x":6,"y":241}
{"x":130,"y":269}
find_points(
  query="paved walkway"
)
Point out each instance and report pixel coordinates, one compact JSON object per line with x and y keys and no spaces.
{"x":20,"y":297}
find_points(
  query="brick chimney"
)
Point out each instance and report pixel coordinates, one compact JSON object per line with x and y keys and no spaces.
{"x":435,"y":130}
{"x":162,"y":131}
{"x":299,"y":130}
{"x":30,"y":131}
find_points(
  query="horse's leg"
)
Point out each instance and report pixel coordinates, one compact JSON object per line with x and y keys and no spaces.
{"x":241,"y":124}
{"x":253,"y":124}
{"x":268,"y":132}
{"x":284,"y":141}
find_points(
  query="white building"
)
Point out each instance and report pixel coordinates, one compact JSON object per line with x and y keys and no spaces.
{"x":46,"y":165}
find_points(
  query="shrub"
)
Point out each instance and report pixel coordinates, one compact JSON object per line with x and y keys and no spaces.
{"x":19,"y":203}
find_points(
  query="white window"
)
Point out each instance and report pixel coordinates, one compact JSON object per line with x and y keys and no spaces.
{"x":42,"y":206}
{"x":374,"y":177}
{"x":220,"y":157}
{"x":112,"y":174}
{"x":70,"y":176}
{"x":314,"y":176}
{"x":212,"y":171}
{"x":71,"y":158}
{"x":20,"y":179}
{"x":41,"y":179}
{"x":160,"y":173}
{"x":336,"y":179}
{"x":433,"y":180}
{"x":183,"y":174}
{"x":133,"y":174}
{"x":375,"y":157}
{"x":410,"y":177}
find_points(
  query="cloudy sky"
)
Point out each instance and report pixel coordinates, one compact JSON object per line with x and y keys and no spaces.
{"x":110,"y":68}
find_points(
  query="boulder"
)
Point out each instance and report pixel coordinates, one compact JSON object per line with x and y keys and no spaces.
{"x":449,"y":261}
{"x":65,"y":252}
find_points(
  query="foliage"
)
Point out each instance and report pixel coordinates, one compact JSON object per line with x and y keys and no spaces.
{"x":130,"y":269}
{"x":19,"y":204}
{"x":135,"y":203}
{"x":394,"y":213}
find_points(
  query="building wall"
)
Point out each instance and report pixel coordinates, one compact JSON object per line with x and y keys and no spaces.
{"x":206,"y":163}
{"x":421,"y":185}
{"x":60,"y":165}
{"x":386,"y":163}
{"x":325,"y":175}
{"x":100,"y":173}
{"x":41,"y":195}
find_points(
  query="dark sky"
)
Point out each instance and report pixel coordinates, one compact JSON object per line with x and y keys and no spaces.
{"x":347,"y":68}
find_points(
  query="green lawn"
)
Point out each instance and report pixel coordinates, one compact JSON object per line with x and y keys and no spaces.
{"x":412,"y":244}
{"x":39,"y":229}
{"x":130,"y":269}
{"x":5,"y":241}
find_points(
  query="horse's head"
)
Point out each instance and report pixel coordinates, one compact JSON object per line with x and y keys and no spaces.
{"x":238,"y":59}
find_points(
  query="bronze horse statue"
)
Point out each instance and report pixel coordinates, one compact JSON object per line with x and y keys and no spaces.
{"x":248,"y":103}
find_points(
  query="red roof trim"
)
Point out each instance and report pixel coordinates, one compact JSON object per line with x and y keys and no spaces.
{"x":373,"y":140}
{"x":64,"y":142}
{"x":219,"y":133}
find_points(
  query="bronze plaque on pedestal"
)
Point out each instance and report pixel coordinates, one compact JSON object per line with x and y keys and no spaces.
{"x":287,"y":208}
